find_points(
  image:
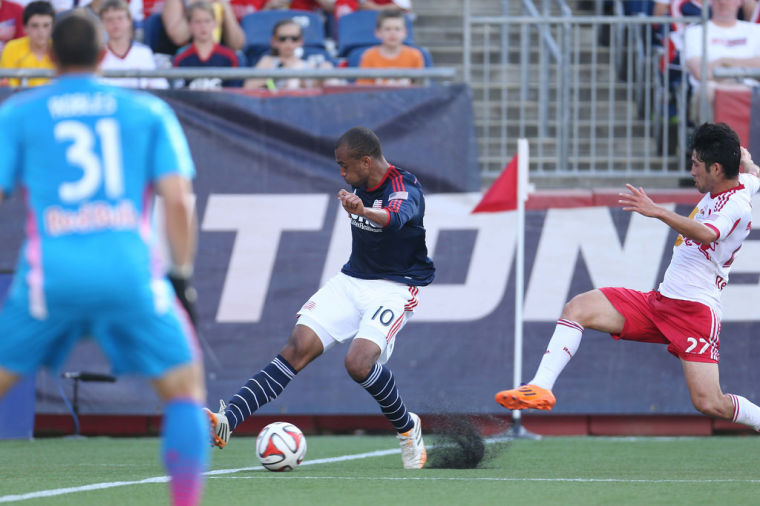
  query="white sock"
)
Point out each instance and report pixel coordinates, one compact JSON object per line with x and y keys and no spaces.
{"x":562,"y":346}
{"x":746,"y":412}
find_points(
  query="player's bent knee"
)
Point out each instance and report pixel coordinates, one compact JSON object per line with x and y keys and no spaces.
{"x":711,"y":407}
{"x":358,"y":367}
{"x":302,"y":347}
{"x":576,"y":309}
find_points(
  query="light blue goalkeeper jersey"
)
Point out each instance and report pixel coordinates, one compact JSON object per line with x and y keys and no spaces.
{"x":85,"y":156}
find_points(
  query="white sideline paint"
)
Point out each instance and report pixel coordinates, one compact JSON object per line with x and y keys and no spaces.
{"x":439,"y":478}
{"x":164,"y":479}
{"x":216,"y":474}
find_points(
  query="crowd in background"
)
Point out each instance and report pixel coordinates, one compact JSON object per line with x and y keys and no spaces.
{"x":203,"y":33}
{"x":733,"y":40}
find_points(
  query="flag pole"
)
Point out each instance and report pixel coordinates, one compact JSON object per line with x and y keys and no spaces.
{"x":517,"y":430}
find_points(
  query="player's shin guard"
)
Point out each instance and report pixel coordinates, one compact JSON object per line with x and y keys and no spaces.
{"x":745,"y":412}
{"x":185,"y":450}
{"x":562,"y":346}
{"x":263,"y":387}
{"x":381,"y":385}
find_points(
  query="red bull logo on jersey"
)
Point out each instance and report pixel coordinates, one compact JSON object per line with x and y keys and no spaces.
{"x":91,"y":217}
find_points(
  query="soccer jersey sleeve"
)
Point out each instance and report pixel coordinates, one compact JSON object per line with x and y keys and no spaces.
{"x":725,"y":220}
{"x":171,"y":154}
{"x":9,"y":147}
{"x":752,"y":183}
{"x":402,"y":206}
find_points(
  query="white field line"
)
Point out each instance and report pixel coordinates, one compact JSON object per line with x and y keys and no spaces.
{"x":440,"y":478}
{"x":378,"y":453}
{"x":163,"y":479}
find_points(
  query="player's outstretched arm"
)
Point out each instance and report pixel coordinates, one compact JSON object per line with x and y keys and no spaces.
{"x":638,"y":201}
{"x":748,"y":165}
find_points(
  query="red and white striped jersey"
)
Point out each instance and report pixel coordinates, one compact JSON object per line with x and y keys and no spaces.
{"x":699,"y":272}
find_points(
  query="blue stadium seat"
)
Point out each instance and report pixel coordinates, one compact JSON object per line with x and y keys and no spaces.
{"x":358,"y":30}
{"x":258,"y":28}
{"x":355,"y":56}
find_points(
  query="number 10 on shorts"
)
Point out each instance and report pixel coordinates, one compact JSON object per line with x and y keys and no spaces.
{"x":385,"y":316}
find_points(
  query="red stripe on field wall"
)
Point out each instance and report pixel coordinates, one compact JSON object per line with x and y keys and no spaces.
{"x":608,"y":197}
{"x":47,"y":425}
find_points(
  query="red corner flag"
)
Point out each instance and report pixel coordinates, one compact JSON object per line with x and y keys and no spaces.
{"x":502,"y":195}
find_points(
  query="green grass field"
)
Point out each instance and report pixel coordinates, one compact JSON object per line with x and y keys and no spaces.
{"x":558,"y":470}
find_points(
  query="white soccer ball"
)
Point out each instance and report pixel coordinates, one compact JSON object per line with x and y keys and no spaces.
{"x":280,"y":446}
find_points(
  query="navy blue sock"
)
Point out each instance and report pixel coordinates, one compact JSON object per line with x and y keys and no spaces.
{"x":381,"y":385}
{"x":265,"y":386}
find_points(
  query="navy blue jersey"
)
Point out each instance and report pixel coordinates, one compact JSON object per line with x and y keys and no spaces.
{"x":396,"y":252}
{"x":221,"y":56}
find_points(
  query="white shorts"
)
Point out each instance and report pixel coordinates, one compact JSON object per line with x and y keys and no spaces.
{"x":348,"y":307}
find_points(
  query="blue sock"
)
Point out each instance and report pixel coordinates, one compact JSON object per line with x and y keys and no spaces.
{"x":185,"y":449}
{"x":265,"y":386}
{"x":381,"y":385}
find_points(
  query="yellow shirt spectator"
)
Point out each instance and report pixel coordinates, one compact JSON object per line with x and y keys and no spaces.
{"x":18,"y":54}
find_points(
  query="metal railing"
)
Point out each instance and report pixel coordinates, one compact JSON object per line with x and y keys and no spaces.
{"x":224,"y":73}
{"x":586,"y":91}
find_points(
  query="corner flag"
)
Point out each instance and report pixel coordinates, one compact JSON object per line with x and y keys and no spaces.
{"x":502,"y":195}
{"x":508,"y":193}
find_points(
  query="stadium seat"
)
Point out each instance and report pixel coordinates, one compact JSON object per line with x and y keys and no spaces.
{"x":358,"y":30}
{"x":355,"y":56}
{"x":258,"y":28}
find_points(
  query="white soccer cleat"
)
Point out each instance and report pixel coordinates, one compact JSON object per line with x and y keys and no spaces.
{"x":220,"y":426}
{"x":413,"y":453}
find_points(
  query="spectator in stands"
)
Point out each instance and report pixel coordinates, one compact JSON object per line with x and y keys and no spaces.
{"x":122,"y":51}
{"x":33,"y":50}
{"x":287,"y":51}
{"x":730,"y":43}
{"x":343,"y":7}
{"x":391,"y":53}
{"x":751,"y":11}
{"x":11,"y":21}
{"x":204,"y":51}
{"x":228,"y":31}
{"x":312,"y":5}
{"x":244,"y":7}
{"x":91,"y":9}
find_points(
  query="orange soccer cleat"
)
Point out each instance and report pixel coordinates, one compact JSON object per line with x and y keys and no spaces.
{"x":220,"y":426}
{"x":525,"y":397}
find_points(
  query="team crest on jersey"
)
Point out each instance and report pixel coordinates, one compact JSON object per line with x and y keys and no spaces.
{"x":378,"y":204}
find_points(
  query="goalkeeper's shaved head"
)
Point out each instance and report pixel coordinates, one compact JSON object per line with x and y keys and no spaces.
{"x":76,"y":42}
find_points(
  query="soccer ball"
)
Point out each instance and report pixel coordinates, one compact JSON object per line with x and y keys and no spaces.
{"x":280,"y":446}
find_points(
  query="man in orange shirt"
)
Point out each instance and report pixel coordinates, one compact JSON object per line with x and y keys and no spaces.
{"x":391,"y":53}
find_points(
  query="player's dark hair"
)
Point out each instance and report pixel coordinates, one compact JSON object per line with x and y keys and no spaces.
{"x":361,"y":141}
{"x":38,"y":8}
{"x":76,"y":41}
{"x":389,"y":14}
{"x":717,"y":143}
